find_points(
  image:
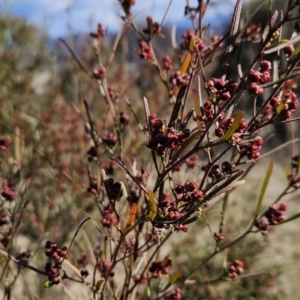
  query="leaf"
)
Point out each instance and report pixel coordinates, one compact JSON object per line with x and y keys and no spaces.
{"x":282,"y":44}
{"x":132,"y":215}
{"x":296,"y":51}
{"x":192,"y":44}
{"x":152,"y":205}
{"x":233,"y":127}
{"x":183,"y":69}
{"x":186,"y":63}
{"x":230,"y":186}
{"x":262,"y":192}
{"x":147,"y":113}
{"x":99,"y":284}
{"x":47,"y":284}
{"x":165,"y":260}
{"x":190,"y":220}
{"x":278,"y":148}
{"x":178,"y":104}
{"x":186,"y":144}
{"x":174,"y":277}
{"x":150,"y":24}
{"x":197,"y":109}
{"x":227,"y":183}
{"x":232,"y":35}
{"x":279,"y":108}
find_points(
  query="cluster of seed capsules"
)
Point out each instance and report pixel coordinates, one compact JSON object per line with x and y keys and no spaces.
{"x":283,"y":106}
{"x":252,"y":148}
{"x":174,"y":210}
{"x":163,"y":138}
{"x":57,"y":255}
{"x":4,"y":143}
{"x":198,"y":45}
{"x":145,"y":52}
{"x":257,"y":78}
{"x":100,"y":33}
{"x":100,"y":73}
{"x":126,"y":5}
{"x":108,"y":217}
{"x":104,"y":267}
{"x":4,"y":218}
{"x":294,"y":180}
{"x":153,"y":28}
{"x":159,"y":268}
{"x":25,"y":256}
{"x":171,"y":212}
{"x":272,"y":216}
{"x":8,"y":192}
{"x":174,"y":295}
{"x":216,"y":171}
{"x":221,"y":90}
{"x":178,"y":79}
{"x":235,"y":269}
{"x":225,"y":125}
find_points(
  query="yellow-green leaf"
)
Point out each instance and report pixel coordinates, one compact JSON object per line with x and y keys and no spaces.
{"x":99,"y":284}
{"x":296,"y":51}
{"x":152,"y":205}
{"x":279,"y":108}
{"x":186,"y":144}
{"x":47,"y":284}
{"x":233,"y":127}
{"x":277,"y":46}
{"x":174,"y":277}
{"x":262,"y":192}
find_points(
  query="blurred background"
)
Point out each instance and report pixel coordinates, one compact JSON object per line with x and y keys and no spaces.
{"x":57,"y":18}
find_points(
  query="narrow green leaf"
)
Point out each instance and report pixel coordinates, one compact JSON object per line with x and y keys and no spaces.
{"x":152,"y":205}
{"x":233,"y":127}
{"x":296,"y":51}
{"x":282,"y":44}
{"x":174,"y":277}
{"x":262,"y":192}
{"x":186,"y":144}
{"x":222,"y":187}
{"x":279,"y":108}
{"x":277,"y":46}
{"x":99,"y":284}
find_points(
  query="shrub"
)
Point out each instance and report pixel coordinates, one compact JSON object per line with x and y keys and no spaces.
{"x":137,"y":175}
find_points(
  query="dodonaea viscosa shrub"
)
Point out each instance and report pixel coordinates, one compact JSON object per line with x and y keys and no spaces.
{"x":142,"y":178}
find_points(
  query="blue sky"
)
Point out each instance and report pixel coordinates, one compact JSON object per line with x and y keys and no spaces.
{"x":82,"y":15}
